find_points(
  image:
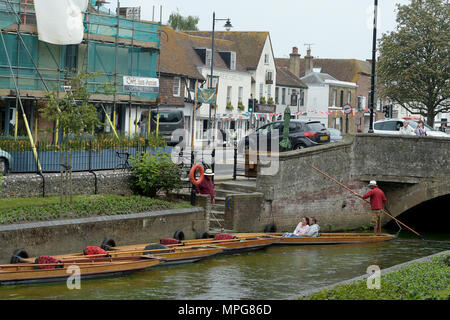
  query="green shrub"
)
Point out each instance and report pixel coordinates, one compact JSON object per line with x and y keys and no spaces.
{"x":151,"y":173}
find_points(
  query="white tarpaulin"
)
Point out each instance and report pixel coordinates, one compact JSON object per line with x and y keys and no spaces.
{"x":60,"y":21}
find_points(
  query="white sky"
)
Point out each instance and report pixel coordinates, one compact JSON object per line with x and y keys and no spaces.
{"x":341,"y":29}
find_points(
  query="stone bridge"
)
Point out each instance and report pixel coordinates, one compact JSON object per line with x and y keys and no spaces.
{"x":409,"y":169}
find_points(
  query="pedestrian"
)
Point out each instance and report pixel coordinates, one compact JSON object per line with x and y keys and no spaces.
{"x":377,"y":200}
{"x":406,"y":129}
{"x":442,"y":127}
{"x":420,"y":130}
{"x":207,"y":185}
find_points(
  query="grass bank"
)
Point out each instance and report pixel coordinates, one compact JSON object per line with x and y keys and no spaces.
{"x":22,"y":210}
{"x":420,"y":281}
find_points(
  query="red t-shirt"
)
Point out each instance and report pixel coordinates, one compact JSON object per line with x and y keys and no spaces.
{"x":377,"y":198}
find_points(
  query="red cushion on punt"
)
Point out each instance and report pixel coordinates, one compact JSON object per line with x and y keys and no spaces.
{"x":47,"y":260}
{"x":91,"y":250}
{"x":168,"y":241}
{"x":224,"y":236}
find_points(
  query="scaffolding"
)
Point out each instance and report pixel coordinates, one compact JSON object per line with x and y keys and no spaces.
{"x":113,"y":45}
{"x":108,"y":40}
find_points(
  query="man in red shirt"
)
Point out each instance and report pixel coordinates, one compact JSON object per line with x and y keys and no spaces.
{"x":207,"y":185}
{"x":377,"y":199}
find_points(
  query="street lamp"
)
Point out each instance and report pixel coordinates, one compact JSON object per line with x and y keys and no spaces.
{"x":227,"y":26}
{"x":374,"y":50}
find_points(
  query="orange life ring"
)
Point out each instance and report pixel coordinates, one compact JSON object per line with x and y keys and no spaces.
{"x":192,"y":174}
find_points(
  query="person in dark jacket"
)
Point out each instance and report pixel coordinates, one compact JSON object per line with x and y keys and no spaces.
{"x":207,"y":185}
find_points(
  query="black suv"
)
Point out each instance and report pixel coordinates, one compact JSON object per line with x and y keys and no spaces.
{"x":302,"y":134}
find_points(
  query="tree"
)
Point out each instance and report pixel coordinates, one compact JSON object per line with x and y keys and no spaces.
{"x":73,"y":111}
{"x":178,"y":22}
{"x":414,"y":65}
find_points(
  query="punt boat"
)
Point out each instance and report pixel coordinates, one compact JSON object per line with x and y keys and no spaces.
{"x":170,"y":256}
{"x":324,"y":238}
{"x":227,"y":246}
{"x":20,"y":273}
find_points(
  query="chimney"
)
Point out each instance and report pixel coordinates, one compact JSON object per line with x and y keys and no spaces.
{"x":308,"y":61}
{"x":294,"y":62}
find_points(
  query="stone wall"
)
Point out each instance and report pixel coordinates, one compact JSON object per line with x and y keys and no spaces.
{"x":31,"y":185}
{"x":245,"y":212}
{"x":397,"y":163}
{"x":73,"y":235}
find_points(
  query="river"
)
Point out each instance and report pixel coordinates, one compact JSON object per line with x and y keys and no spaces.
{"x":276,"y":272}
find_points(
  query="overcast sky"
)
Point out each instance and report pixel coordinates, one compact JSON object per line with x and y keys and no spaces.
{"x":340,"y":29}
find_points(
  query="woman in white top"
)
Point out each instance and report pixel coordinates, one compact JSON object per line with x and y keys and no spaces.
{"x":406,"y":129}
{"x":302,"y":228}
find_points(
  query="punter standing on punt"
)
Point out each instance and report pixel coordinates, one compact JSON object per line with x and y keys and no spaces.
{"x":377,"y":199}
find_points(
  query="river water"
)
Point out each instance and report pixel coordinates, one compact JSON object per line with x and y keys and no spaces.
{"x":276,"y":272}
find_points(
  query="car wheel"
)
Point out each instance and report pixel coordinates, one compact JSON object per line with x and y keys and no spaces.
{"x":3,"y":166}
{"x":299,"y":146}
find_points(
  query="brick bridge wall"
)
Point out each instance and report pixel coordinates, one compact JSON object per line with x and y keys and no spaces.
{"x":409,"y":169}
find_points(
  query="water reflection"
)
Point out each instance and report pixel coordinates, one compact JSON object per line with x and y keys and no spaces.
{"x":277,"y":272}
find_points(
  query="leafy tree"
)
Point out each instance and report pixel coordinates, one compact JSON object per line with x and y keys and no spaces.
{"x":414,"y":65}
{"x":73,"y":111}
{"x":178,"y":22}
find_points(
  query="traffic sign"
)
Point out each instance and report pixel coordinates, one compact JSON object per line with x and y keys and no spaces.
{"x":347,"y":108}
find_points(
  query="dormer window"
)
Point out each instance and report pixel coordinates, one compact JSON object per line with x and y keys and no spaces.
{"x":230,"y":58}
{"x":205,"y":55}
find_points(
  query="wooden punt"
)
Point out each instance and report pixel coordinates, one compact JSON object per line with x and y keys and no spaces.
{"x":325,"y":238}
{"x":175,"y":256}
{"x":241,"y":244}
{"x":105,"y":267}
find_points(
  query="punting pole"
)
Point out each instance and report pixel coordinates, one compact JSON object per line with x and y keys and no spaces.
{"x":359,"y":196}
{"x":110,"y":123}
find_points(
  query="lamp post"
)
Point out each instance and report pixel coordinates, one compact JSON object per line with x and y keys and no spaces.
{"x":374,"y":50}
{"x":227,"y":26}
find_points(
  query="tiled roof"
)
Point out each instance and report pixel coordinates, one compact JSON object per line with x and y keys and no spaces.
{"x":342,"y":69}
{"x":316,"y":77}
{"x":247,"y":45}
{"x":287,"y":78}
{"x":176,"y":54}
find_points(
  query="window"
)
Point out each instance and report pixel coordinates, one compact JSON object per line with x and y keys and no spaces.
{"x":176,"y":86}
{"x":333,"y":101}
{"x":283,"y":96}
{"x":294,"y":98}
{"x":233,"y":61}
{"x":229,"y":88}
{"x":261,"y":90}
{"x":349,"y":97}
{"x":341,"y":100}
{"x":214,"y":82}
{"x":269,"y":76}
{"x":240,"y":94}
{"x":360,"y":102}
{"x":72,"y":57}
{"x":301,"y":99}
{"x":266,"y":59}
{"x":269,"y":90}
{"x":277,"y":93}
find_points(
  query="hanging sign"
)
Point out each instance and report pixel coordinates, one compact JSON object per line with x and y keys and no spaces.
{"x":207,"y":96}
{"x":265,"y":108}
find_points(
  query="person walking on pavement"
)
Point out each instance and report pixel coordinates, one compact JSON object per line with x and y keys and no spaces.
{"x":377,"y":200}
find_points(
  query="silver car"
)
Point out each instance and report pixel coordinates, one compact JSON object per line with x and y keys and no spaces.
{"x":5,"y":162}
{"x":392,"y":126}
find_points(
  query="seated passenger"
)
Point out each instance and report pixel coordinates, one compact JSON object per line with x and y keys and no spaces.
{"x":302,"y":229}
{"x":313,"y":228}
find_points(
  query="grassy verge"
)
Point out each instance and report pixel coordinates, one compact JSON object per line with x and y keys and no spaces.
{"x":22,"y":210}
{"x":420,"y":281}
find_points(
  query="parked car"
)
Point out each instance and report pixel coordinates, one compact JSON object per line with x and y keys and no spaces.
{"x":5,"y":162}
{"x":392,"y":126}
{"x":302,"y":134}
{"x":335,"y":135}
